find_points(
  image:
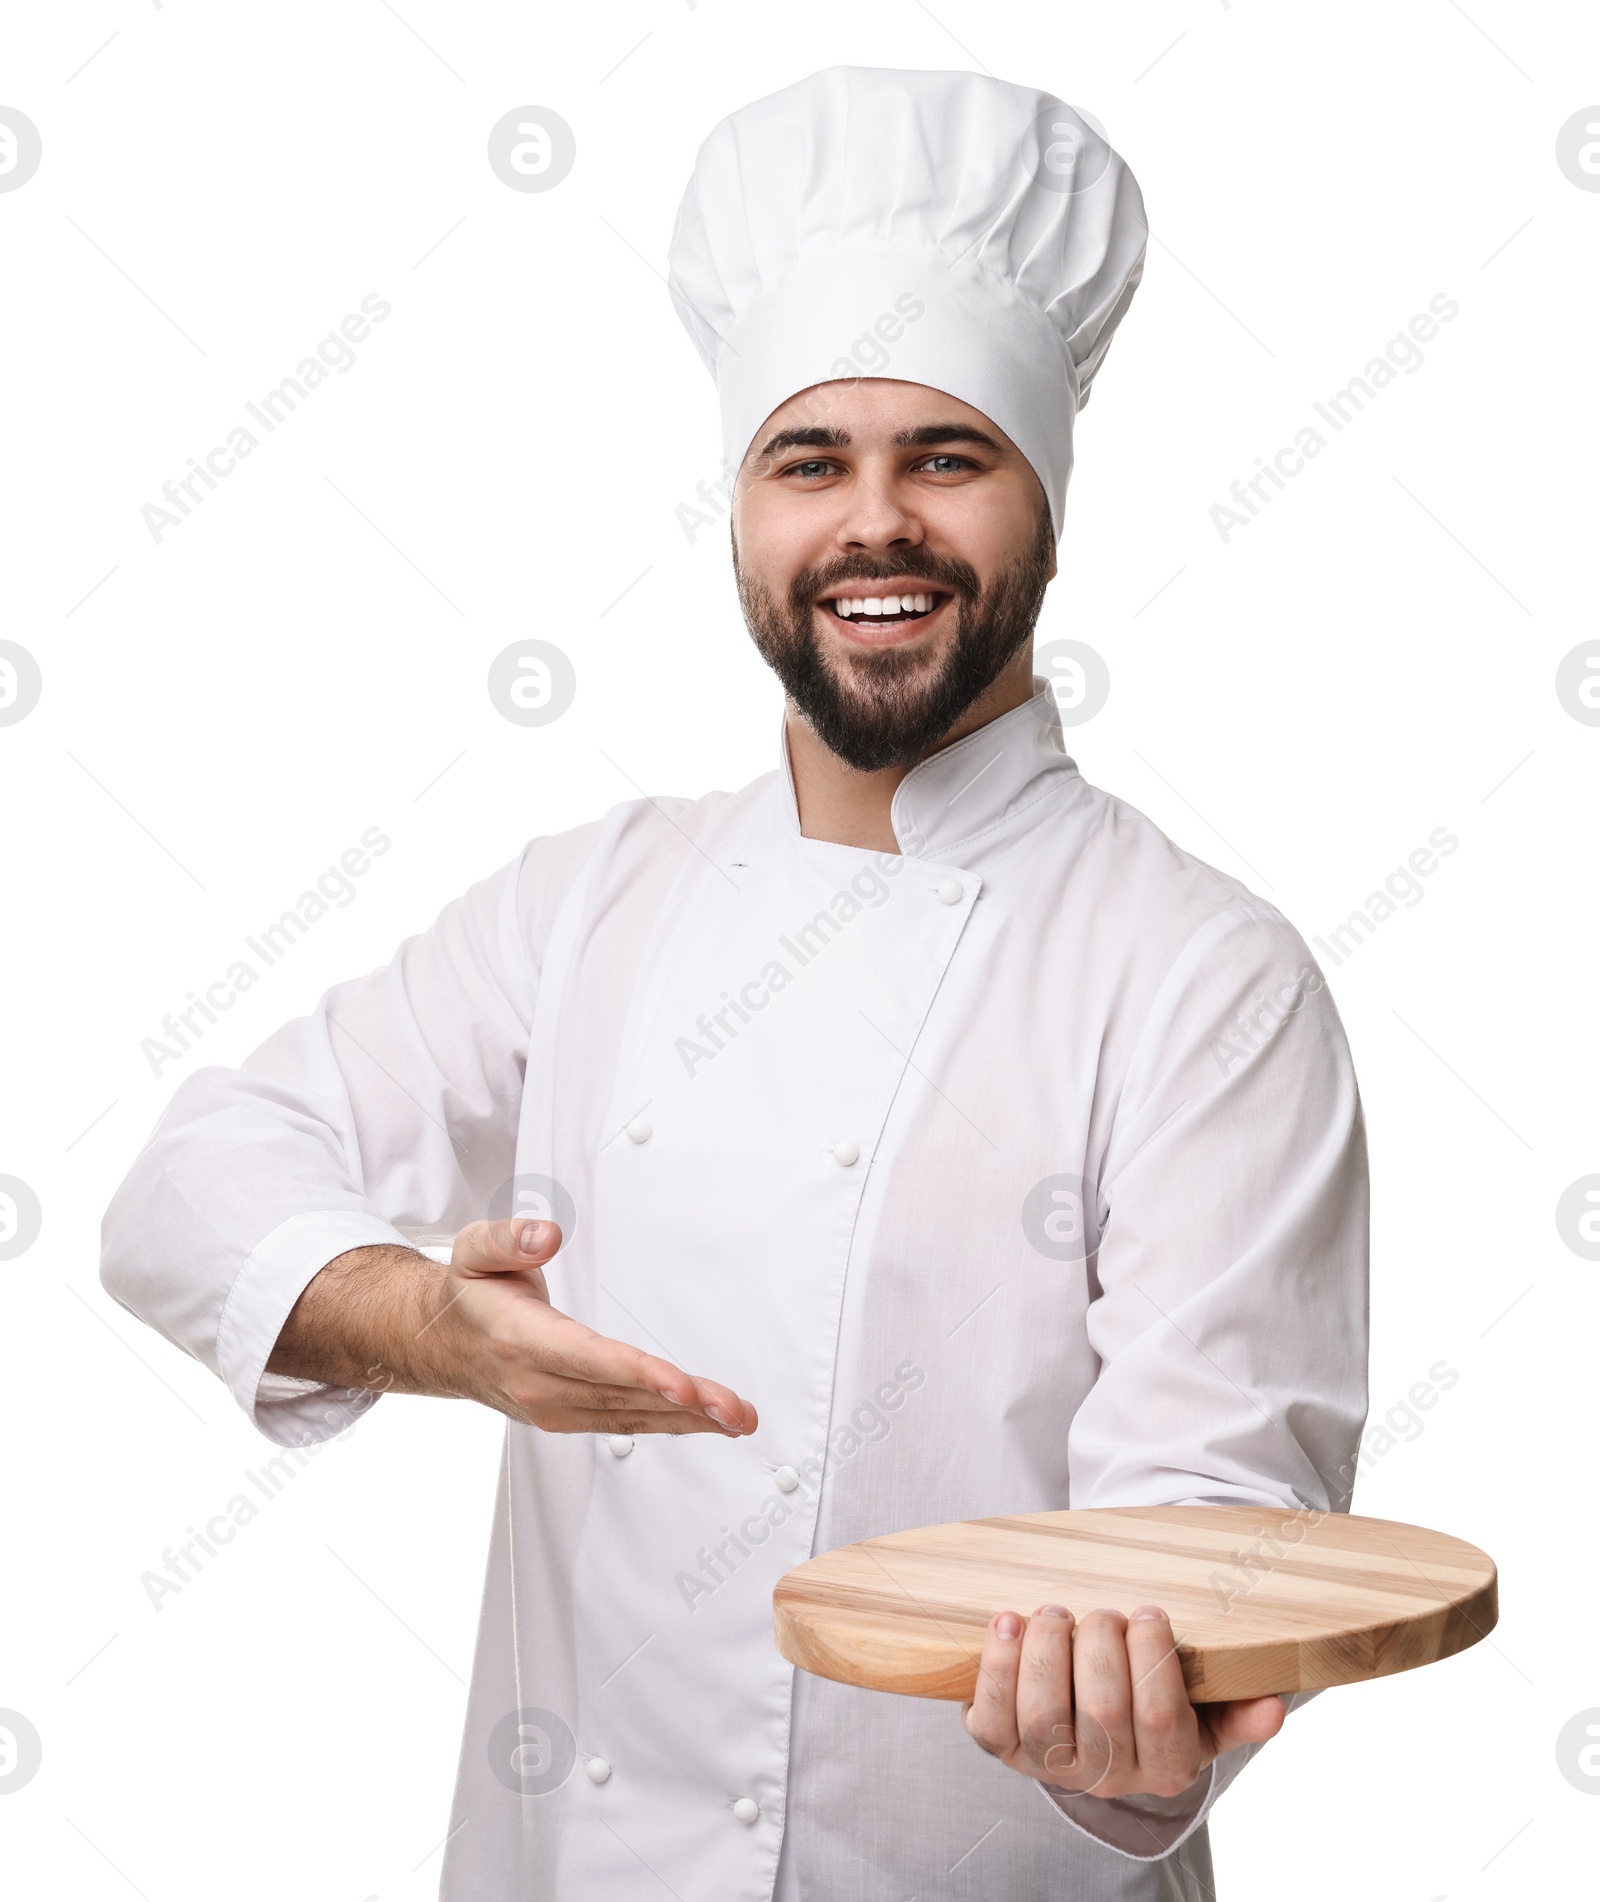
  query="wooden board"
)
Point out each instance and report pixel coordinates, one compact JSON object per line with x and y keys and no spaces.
{"x":1260,"y":1601}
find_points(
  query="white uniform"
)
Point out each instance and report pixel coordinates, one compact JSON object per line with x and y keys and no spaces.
{"x":1023,"y":1171}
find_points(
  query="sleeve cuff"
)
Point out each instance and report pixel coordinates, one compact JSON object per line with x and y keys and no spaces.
{"x":275,"y":1274}
{"x":1146,"y":1828}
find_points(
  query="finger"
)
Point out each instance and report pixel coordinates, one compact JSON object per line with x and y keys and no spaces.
{"x":991,"y":1717}
{"x":724,"y":1405}
{"x":1245,"y":1720}
{"x":499,"y":1248}
{"x":709,"y":1396}
{"x":1045,"y":1728}
{"x":660,"y":1377}
{"x":587,"y":1396}
{"x":625,"y":1420}
{"x":1166,"y":1732}
{"x":1102,"y":1701}
{"x":568,"y":1348}
{"x":582,"y":1395}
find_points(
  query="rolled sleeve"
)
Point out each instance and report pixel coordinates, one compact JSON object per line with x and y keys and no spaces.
{"x":388,"y":1115}
{"x":292,"y":1412}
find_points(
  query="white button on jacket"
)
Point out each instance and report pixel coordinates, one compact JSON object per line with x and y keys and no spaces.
{"x":1106,"y":1245}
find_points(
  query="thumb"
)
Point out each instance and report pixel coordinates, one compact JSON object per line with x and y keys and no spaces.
{"x":506,"y":1248}
{"x":1247,"y":1720}
{"x":535,"y":1242}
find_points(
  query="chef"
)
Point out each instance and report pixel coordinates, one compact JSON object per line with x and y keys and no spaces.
{"x":915,"y":1135}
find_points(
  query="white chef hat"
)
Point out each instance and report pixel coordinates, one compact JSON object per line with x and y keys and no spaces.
{"x":939,"y":228}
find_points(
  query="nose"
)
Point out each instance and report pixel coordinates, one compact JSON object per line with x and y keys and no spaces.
{"x":875,"y":517}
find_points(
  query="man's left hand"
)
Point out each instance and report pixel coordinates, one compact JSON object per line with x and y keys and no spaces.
{"x":1098,"y":1704}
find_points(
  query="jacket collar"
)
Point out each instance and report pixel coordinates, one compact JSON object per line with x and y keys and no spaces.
{"x":976,"y":787}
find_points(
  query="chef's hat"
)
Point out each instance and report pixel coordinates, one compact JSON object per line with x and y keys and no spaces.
{"x":937,"y":228}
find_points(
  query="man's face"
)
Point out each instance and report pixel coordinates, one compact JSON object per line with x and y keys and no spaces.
{"x":850,"y":486}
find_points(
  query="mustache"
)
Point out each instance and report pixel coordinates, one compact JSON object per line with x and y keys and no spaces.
{"x":943,"y":571}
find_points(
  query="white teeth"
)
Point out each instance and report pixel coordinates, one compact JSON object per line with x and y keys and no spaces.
{"x":876,"y":606}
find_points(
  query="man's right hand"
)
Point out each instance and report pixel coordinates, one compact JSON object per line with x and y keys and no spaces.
{"x":482,"y":1328}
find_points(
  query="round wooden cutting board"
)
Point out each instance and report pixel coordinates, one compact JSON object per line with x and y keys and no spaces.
{"x":1260,"y":1600}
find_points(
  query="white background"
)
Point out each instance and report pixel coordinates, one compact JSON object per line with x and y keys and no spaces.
{"x":225,"y":711}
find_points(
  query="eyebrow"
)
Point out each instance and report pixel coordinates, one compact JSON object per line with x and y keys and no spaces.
{"x":930,"y":435}
{"x":926,"y":436}
{"x":817,"y":437}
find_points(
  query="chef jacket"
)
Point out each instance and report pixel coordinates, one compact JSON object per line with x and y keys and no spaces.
{"x":1021,"y":1170}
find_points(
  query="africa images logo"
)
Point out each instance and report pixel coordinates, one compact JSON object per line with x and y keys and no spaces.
{"x":334,"y":355}
{"x":20,"y":149}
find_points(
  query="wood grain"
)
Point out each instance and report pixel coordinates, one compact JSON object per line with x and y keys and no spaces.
{"x":1261,"y":1600}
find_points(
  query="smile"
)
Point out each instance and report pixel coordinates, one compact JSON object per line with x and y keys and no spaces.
{"x":885,"y":610}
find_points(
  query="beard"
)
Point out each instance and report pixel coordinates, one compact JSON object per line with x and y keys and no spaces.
{"x":881,"y":707}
